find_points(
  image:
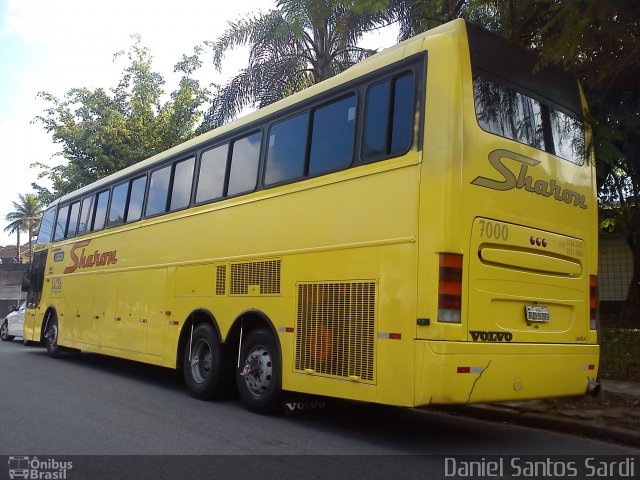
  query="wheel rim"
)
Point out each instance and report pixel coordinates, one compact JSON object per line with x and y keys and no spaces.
{"x":52,"y":339}
{"x":201,"y":361}
{"x":4,"y":331}
{"x":257,"y":371}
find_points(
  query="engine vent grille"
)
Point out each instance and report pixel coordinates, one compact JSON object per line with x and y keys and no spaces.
{"x":221,"y":280}
{"x":335,"y":330}
{"x":255,"y":278}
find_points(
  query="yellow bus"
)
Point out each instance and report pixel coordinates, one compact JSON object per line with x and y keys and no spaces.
{"x":420,"y":229}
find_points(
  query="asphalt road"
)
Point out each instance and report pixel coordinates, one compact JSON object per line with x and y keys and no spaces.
{"x":87,"y":404}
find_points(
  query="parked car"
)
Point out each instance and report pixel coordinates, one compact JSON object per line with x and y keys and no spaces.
{"x":13,"y":324}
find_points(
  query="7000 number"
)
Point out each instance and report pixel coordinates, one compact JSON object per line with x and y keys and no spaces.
{"x":494,"y":230}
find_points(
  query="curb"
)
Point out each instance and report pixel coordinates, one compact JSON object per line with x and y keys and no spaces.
{"x":547,"y":422}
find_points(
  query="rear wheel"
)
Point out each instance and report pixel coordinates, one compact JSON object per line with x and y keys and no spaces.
{"x":4,"y":332}
{"x":259,"y":378}
{"x":205,"y":365}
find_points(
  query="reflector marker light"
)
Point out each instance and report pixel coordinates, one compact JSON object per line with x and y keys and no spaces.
{"x":450,"y":288}
{"x":589,"y":367}
{"x":390,"y":336}
{"x":469,"y":369}
{"x":286,"y":329}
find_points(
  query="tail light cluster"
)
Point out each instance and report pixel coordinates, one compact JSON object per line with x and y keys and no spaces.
{"x":593,"y":302}
{"x":450,"y":288}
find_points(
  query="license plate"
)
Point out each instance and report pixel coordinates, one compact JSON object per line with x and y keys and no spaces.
{"x":536,"y":313}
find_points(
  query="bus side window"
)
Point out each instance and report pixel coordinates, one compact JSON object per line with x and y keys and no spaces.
{"x":118,"y":204}
{"x":389,"y":118}
{"x":158,"y":191}
{"x":333,"y":136}
{"x":73,"y":220}
{"x":136,"y":198}
{"x":46,"y":226}
{"x":213,"y":166}
{"x":244,"y":164}
{"x":61,"y":223}
{"x":182,"y":182}
{"x":100,"y":211}
{"x":287,"y":149}
{"x":85,"y":215}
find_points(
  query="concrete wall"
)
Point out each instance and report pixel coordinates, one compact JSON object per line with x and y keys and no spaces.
{"x":10,"y":282}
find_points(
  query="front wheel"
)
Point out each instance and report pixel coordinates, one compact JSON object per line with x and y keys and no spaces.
{"x":259,"y":378}
{"x":4,"y":332}
{"x":51,"y":337}
{"x":206,"y":366}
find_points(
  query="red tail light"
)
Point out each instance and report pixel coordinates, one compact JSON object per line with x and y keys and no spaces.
{"x":593,"y":302}
{"x":450,"y":288}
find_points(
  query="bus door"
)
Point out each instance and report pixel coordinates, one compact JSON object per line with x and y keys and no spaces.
{"x":33,"y":283}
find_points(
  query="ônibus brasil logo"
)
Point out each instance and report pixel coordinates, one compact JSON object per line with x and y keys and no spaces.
{"x":93,"y":259}
{"x":36,"y":469}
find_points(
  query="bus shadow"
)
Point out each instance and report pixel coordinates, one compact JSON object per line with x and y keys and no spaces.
{"x":142,"y":372}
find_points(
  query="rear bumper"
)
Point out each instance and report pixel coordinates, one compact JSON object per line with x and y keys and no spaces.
{"x":465,"y":372}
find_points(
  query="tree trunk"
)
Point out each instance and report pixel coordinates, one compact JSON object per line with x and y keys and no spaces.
{"x":631,"y":311}
{"x":18,"y":259}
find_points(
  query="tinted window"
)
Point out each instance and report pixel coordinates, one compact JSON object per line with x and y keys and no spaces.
{"x":136,"y":198}
{"x":287,"y":150}
{"x":85,"y":215}
{"x":508,"y":113}
{"x":182,"y":180}
{"x":377,"y":120}
{"x":46,"y":226}
{"x":244,"y":164}
{"x":403,"y":113}
{"x":332,"y":137}
{"x":568,"y":137}
{"x":118,"y":203}
{"x":158,"y":191}
{"x":213,"y":166}
{"x":100,"y":211}
{"x":73,"y":220}
{"x":61,"y":222}
{"x":389,"y":118}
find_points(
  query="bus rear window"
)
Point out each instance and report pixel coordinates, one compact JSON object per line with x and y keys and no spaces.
{"x":514,"y":115}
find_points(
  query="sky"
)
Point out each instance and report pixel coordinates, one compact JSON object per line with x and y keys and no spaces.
{"x":54,"y":46}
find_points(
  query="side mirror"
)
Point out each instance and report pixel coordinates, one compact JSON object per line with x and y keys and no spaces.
{"x":26,"y":281}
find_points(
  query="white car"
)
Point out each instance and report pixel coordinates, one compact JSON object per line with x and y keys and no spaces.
{"x":13,"y":324}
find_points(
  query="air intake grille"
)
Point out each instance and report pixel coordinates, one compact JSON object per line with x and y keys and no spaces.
{"x":255,"y":278}
{"x":335,"y":330}
{"x":221,"y":279}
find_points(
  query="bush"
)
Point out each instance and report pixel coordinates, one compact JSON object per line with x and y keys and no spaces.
{"x":620,"y":353}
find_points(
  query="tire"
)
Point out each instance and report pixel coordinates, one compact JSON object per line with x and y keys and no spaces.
{"x":51,"y":338}
{"x":206,"y":365}
{"x":4,"y":332}
{"x":259,"y":378}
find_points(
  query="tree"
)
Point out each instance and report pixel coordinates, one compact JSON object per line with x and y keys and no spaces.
{"x":25,"y":217}
{"x":300,"y":43}
{"x":599,"y":41}
{"x":102,"y":132}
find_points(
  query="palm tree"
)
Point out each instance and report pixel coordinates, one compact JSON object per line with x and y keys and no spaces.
{"x":300,"y":43}
{"x":26,"y":216}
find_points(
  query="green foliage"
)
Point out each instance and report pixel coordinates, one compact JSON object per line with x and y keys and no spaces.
{"x":25,"y":216}
{"x":619,"y":353}
{"x":300,"y":43}
{"x":101,"y":132}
